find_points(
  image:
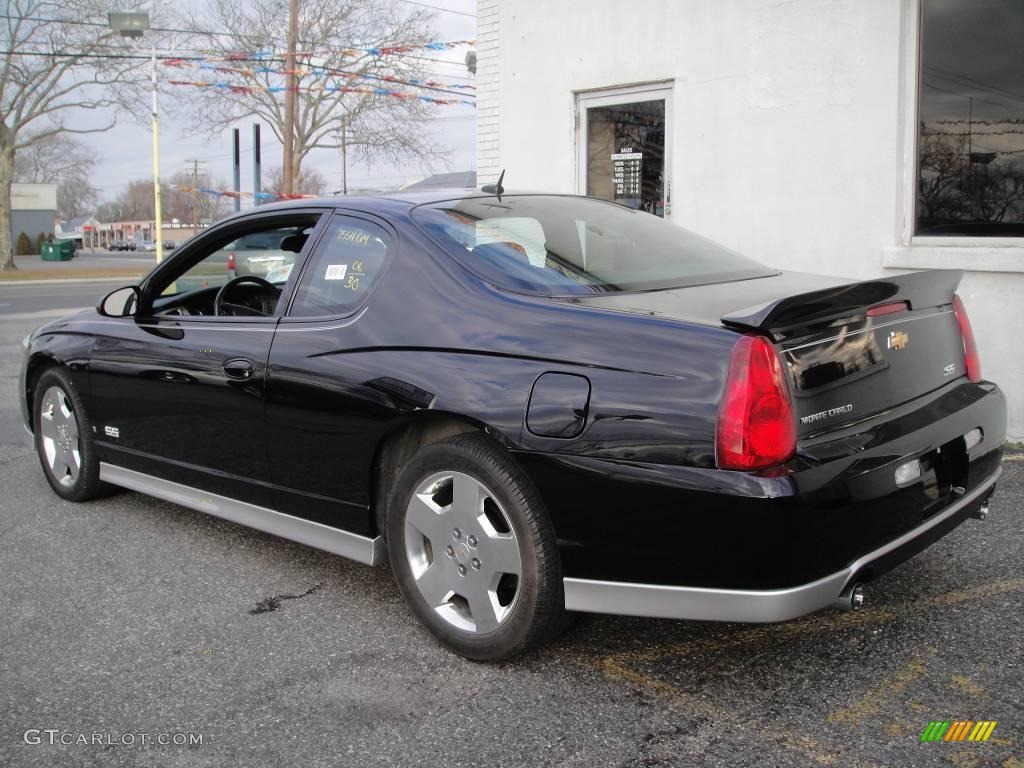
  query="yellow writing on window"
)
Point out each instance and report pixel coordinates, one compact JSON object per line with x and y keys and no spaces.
{"x":352,"y":236}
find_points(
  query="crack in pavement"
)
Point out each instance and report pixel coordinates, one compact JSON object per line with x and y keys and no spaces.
{"x":269,"y":604}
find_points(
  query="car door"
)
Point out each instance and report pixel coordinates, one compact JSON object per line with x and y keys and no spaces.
{"x":177,"y":391}
{"x":323,"y":403}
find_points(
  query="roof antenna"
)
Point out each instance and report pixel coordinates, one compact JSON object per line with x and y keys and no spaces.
{"x":495,"y":189}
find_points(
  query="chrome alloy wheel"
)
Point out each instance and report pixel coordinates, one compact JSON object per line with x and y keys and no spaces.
{"x":462,"y":551}
{"x":58,"y":429}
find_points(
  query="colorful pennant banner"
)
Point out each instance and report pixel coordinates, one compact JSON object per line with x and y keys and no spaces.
{"x":233,"y":194}
{"x":314,"y":71}
{"x":236,"y":88}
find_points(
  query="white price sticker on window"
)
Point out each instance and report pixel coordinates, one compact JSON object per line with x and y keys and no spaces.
{"x":336,"y":271}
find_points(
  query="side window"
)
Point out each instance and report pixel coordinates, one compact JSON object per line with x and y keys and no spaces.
{"x":267,"y":252}
{"x":343,"y":270}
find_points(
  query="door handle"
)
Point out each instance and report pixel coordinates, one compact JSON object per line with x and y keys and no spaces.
{"x":238,"y":368}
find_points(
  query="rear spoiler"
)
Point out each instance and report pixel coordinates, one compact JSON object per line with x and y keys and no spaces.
{"x":929,"y":288}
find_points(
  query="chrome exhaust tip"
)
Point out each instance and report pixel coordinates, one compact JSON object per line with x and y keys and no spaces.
{"x":982,"y":511}
{"x":851,"y":599}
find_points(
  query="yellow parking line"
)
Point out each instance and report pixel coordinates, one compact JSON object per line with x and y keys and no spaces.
{"x":997,"y":587}
{"x":791,"y":740}
{"x":769,"y":634}
{"x":891,"y":686}
{"x":620,"y":667}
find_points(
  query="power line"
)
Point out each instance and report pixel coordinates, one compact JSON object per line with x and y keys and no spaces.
{"x":202,"y":54}
{"x":993,"y":89}
{"x":962,"y":95}
{"x":439,"y":8}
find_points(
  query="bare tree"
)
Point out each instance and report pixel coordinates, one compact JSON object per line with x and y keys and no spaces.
{"x":943,"y":163}
{"x":312,"y":182}
{"x":48,"y":160}
{"x":184,"y":202}
{"x":135,"y":203}
{"x":376,"y":127}
{"x":76,"y":196}
{"x":956,"y":185}
{"x":65,"y":161}
{"x":50,"y":69}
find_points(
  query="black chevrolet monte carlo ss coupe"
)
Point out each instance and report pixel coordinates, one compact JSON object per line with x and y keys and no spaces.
{"x":532,"y":405}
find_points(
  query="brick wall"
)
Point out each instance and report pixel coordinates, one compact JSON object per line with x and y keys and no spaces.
{"x":488,"y":105}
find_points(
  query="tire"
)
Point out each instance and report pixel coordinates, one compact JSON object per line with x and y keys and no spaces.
{"x":462,"y":519}
{"x":63,"y":439}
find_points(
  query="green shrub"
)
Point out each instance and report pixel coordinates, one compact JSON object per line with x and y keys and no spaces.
{"x":24,"y":246}
{"x":40,"y":239}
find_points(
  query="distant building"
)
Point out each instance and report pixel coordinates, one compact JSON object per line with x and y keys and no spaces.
{"x":33,"y":210}
{"x":83,"y":230}
{"x":458,"y":180}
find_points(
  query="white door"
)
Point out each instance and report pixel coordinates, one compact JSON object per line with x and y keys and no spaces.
{"x":624,"y":147}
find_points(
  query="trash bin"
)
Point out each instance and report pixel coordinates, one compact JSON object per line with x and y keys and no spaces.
{"x":59,"y":250}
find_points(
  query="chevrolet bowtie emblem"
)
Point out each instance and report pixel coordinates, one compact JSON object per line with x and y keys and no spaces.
{"x":898,"y":340}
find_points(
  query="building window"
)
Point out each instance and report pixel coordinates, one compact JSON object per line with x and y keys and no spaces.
{"x":624,"y":156}
{"x":971,"y":119}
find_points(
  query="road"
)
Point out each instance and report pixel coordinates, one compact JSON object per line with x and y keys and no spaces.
{"x":86,"y":259}
{"x":131,"y":617}
{"x":41,"y":301}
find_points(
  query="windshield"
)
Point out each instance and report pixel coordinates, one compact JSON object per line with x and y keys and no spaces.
{"x":566,"y":246}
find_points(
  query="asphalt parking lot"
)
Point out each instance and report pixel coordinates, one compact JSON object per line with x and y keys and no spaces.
{"x":133,"y":617}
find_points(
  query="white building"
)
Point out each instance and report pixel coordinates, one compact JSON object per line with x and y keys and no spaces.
{"x":788,"y":131}
{"x":33,"y":210}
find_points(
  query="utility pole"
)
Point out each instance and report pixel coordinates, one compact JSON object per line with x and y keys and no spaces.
{"x":344,"y":159}
{"x":194,"y":195}
{"x":970,"y":150}
{"x":289,"y":99}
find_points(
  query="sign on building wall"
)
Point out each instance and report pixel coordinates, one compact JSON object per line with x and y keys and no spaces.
{"x":33,"y":197}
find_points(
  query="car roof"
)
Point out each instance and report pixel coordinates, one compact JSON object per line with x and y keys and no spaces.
{"x":378,"y":203}
{"x":412,"y":197}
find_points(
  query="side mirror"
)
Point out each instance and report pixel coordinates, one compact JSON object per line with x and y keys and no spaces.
{"x":120,"y":303}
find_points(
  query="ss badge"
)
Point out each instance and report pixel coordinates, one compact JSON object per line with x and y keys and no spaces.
{"x":949,"y":370}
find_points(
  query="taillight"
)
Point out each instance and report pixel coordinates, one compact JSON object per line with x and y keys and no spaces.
{"x":972,"y":363}
{"x":756,"y":428}
{"x":231,"y":262}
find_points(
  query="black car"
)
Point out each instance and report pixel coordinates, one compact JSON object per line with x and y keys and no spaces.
{"x":531,"y":405}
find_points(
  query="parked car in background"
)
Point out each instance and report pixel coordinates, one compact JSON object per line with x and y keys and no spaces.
{"x":145,"y":245}
{"x":528,"y":405}
{"x":122,"y":245}
{"x":260,"y":253}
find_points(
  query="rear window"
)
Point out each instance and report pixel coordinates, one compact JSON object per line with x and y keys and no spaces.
{"x":565,"y":246}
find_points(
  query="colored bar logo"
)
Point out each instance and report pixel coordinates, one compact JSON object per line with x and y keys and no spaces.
{"x":958,"y":730}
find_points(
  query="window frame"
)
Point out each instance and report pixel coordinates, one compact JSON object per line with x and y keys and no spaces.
{"x":911,"y":251}
{"x":584,"y":99}
{"x":241,"y":225}
{"x":328,"y":221}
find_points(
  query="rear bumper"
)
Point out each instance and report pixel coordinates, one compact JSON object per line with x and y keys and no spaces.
{"x":671,"y":602}
{"x":694,"y":542}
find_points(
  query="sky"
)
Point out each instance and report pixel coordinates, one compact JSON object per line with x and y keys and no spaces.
{"x":972,"y":72}
{"x":125,"y":152}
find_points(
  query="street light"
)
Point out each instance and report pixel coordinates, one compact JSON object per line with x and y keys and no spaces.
{"x":132,"y":24}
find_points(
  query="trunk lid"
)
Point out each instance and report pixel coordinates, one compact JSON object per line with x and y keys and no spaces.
{"x":845,"y":361}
